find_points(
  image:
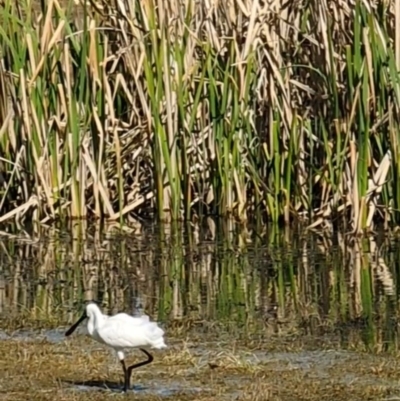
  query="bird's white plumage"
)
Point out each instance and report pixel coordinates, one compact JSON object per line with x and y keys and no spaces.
{"x":123,"y":331}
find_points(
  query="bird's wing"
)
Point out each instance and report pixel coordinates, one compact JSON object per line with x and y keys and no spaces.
{"x":120,"y":333}
{"x":125,"y":331}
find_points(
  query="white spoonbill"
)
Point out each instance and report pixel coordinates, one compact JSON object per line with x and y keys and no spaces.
{"x":122,"y":332}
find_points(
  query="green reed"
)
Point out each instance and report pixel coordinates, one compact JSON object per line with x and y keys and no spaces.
{"x":192,"y":278}
{"x":125,"y":110}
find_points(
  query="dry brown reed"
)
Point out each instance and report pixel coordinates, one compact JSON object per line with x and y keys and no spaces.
{"x":175,"y":110}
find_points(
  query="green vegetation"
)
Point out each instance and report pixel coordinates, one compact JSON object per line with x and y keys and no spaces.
{"x":209,"y":282}
{"x":120,"y":110}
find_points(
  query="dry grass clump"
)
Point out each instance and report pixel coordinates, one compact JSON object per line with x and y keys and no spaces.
{"x":259,"y":390}
{"x":45,"y":371}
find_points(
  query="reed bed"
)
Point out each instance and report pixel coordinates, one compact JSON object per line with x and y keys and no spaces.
{"x":214,"y":282}
{"x":248,"y":109}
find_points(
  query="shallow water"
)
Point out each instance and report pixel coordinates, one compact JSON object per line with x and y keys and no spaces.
{"x":293,"y":302}
{"x":157,"y":388}
{"x":208,"y":280}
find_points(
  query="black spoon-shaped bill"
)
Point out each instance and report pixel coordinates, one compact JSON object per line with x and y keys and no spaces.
{"x":75,"y":325}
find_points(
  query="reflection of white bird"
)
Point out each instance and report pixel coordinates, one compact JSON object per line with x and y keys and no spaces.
{"x":121,"y":332}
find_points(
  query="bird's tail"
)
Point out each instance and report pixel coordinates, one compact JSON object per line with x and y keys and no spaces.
{"x":156,"y":336}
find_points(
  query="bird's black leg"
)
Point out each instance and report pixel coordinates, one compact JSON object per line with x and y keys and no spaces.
{"x":128,"y":372}
{"x":127,"y":377}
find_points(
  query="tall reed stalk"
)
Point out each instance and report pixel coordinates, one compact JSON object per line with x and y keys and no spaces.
{"x":124,"y":110}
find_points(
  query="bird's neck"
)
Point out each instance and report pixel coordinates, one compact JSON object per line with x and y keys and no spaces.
{"x":96,"y":320}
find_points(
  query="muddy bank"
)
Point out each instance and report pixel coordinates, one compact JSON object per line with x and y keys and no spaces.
{"x":48,"y":367}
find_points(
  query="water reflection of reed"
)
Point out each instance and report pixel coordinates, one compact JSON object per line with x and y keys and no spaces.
{"x":279,"y":281}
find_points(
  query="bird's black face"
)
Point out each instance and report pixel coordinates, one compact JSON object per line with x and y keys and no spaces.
{"x":75,"y":325}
